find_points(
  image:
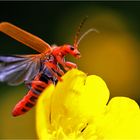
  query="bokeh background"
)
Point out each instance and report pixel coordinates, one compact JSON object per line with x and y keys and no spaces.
{"x":113,"y":54}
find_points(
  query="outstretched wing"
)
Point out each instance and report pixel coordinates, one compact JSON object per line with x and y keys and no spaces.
{"x":25,"y":37}
{"x":14,"y":70}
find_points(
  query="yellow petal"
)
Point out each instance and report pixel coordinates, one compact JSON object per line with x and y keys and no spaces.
{"x":121,"y":119}
{"x":95,"y":96}
{"x":65,"y":102}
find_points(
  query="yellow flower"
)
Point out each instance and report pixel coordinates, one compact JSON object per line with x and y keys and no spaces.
{"x":77,"y":109}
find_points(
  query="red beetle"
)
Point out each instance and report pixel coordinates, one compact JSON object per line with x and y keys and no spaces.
{"x":37,"y":71}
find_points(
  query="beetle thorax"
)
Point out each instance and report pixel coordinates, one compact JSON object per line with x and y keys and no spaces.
{"x":59,"y":51}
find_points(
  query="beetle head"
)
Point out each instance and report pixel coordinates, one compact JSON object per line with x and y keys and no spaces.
{"x":72,"y":50}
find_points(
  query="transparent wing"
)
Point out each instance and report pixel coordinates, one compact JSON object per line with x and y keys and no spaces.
{"x":14,"y":70}
{"x":24,"y":37}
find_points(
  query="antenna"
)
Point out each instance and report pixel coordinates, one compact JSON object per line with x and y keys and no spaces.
{"x":78,"y":31}
{"x":86,"y":33}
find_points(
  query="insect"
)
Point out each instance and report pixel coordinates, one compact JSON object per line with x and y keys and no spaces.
{"x":37,"y":71}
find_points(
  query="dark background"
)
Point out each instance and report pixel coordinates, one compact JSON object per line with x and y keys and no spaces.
{"x":113,"y":54}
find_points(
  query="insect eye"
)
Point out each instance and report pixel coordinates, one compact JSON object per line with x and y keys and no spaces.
{"x":72,"y":48}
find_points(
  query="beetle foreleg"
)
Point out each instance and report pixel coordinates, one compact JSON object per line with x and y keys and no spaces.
{"x":70,"y":64}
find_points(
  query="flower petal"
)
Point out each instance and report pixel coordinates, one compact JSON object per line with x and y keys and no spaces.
{"x":121,"y":119}
{"x":43,"y":112}
{"x":95,"y":96}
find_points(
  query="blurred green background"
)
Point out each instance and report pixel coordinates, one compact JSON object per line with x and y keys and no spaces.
{"x":113,"y":54}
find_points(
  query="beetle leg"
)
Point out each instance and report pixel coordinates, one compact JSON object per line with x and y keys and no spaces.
{"x":60,"y":71}
{"x":61,"y":60}
{"x":54,"y":69}
{"x":55,"y":74}
{"x":70,"y":64}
